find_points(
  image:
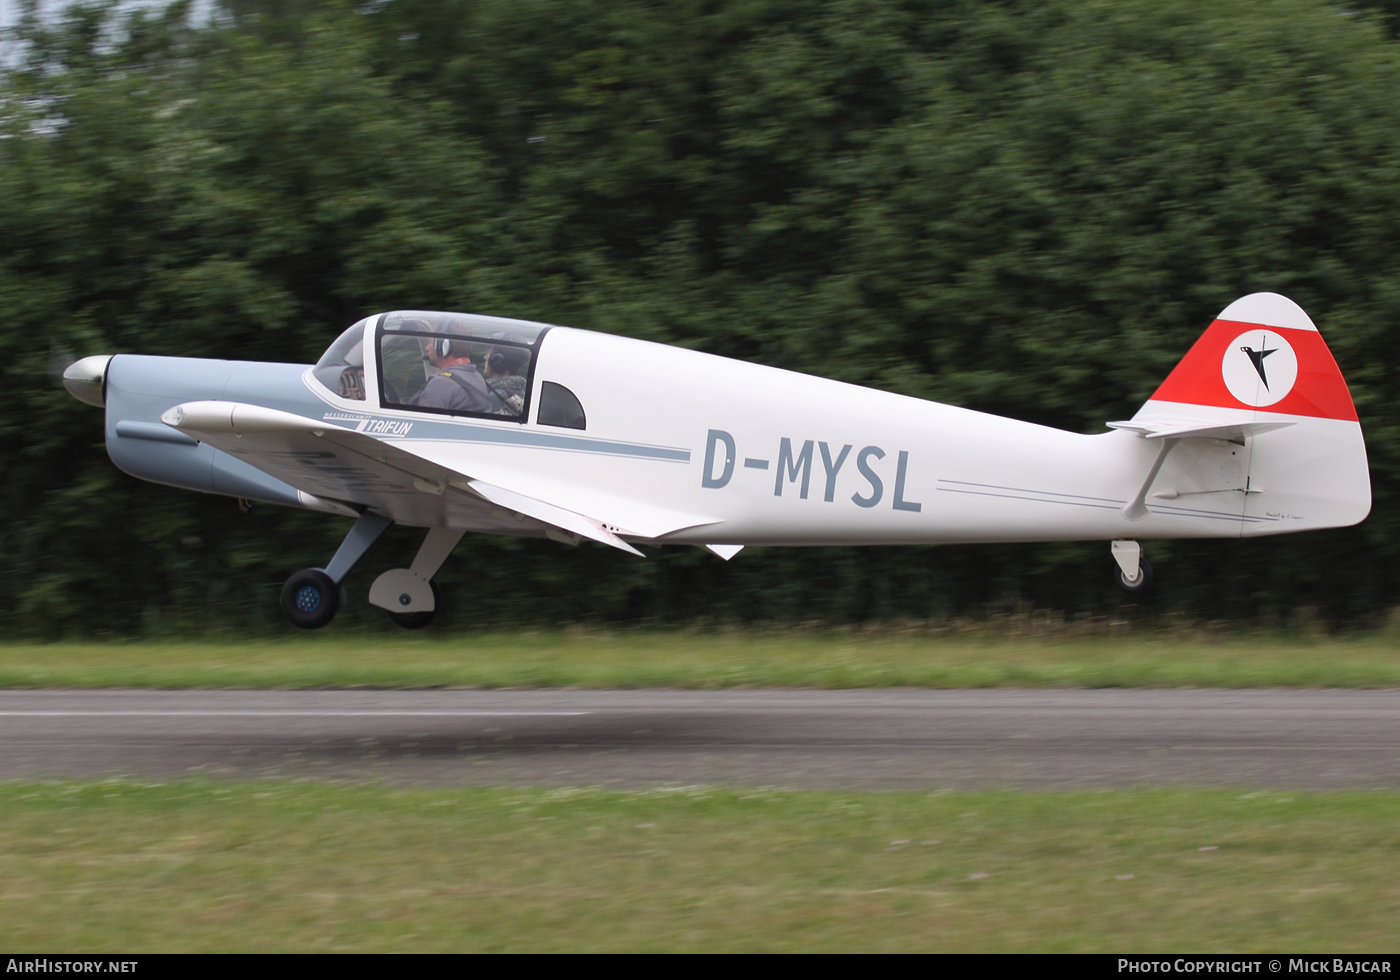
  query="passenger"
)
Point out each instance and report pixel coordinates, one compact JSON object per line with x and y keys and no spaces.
{"x":502,"y":372}
{"x":457,"y":386}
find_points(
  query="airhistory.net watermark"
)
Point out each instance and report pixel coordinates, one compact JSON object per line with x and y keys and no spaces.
{"x":43,"y":964}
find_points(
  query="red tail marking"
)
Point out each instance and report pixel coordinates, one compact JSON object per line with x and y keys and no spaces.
{"x":1320,"y":390}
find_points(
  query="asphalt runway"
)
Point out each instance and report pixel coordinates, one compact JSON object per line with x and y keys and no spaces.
{"x":900,"y":739}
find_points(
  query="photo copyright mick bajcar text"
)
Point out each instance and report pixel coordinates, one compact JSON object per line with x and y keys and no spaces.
{"x":1293,"y":964}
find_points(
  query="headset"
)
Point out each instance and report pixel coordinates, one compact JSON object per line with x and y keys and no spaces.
{"x":497,"y":363}
{"x":442,"y":346}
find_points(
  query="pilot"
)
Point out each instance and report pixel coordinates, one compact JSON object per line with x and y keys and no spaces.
{"x":456,"y":386}
{"x":502,"y":373}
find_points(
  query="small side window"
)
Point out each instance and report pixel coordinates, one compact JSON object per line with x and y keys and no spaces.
{"x":559,"y":406}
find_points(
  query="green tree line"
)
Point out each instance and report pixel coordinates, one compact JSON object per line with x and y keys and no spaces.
{"x":1028,"y":208}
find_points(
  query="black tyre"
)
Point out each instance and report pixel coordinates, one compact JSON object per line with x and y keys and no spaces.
{"x":417,"y":620}
{"x":1143,"y":583}
{"x":310,"y":599}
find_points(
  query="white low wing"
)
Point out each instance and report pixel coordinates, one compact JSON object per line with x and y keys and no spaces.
{"x":624,"y":514}
{"x":340,"y":464}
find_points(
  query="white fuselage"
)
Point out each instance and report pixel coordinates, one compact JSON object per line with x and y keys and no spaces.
{"x":687,"y":447}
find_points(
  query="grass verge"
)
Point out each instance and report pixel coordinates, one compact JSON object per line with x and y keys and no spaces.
{"x":697,"y":660}
{"x":264,"y":866}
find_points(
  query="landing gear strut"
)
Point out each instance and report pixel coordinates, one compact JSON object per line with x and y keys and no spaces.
{"x":312,"y":596}
{"x":408,"y":593}
{"x":1133,"y":573}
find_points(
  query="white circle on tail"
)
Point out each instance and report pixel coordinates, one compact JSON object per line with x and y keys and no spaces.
{"x":1259,"y":367}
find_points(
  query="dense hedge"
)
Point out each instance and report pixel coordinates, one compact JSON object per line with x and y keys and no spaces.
{"x":1030,"y":208}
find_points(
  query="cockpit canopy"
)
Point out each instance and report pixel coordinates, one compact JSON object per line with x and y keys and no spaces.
{"x":447,"y":363}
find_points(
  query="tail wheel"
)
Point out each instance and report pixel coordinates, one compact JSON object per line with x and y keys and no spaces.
{"x":417,"y":620}
{"x":310,"y":599}
{"x":1141,"y":584}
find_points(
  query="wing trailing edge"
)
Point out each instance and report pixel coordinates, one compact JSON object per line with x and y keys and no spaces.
{"x":565,"y":520}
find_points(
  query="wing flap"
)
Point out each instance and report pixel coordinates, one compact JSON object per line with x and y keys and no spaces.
{"x":565,"y":520}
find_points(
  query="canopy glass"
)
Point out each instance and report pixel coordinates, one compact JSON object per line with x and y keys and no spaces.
{"x":456,"y":364}
{"x":488,"y":360}
{"x":342,"y":367}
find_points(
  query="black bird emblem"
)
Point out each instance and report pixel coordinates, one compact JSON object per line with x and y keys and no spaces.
{"x":1256,"y":357}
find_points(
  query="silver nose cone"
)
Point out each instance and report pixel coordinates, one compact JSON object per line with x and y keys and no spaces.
{"x":84,"y":378}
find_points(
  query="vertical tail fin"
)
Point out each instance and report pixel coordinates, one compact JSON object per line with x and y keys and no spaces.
{"x":1263,"y":365}
{"x":1261,"y":353}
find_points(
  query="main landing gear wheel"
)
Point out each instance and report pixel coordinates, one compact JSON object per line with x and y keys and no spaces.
{"x":417,"y":620}
{"x":310,"y":599}
{"x":1141,"y":584}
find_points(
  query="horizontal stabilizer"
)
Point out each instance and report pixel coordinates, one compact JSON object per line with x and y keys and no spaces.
{"x":1193,"y":429}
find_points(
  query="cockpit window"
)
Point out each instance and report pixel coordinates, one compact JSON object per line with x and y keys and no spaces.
{"x":342,"y":367}
{"x":560,"y":406}
{"x":456,"y":363}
